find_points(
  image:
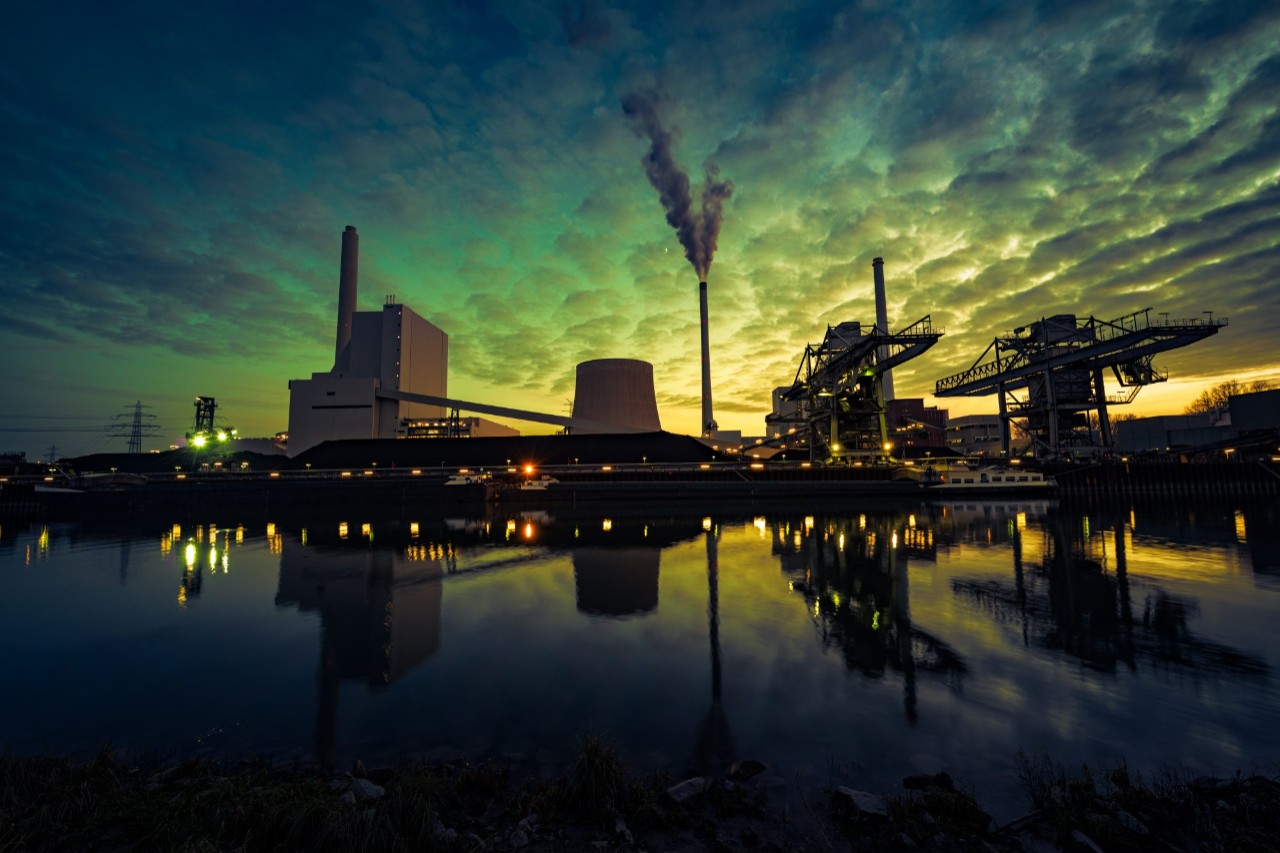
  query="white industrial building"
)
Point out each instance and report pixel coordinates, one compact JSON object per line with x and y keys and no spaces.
{"x":392,"y":350}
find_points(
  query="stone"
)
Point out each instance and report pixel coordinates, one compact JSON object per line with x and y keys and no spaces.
{"x":747,"y":768}
{"x":925,"y":781}
{"x":864,"y":802}
{"x":347,"y":797}
{"x":518,"y":839}
{"x":440,"y":832}
{"x":620,"y":828}
{"x":1131,"y":823}
{"x":1080,"y":841}
{"x":358,"y":770}
{"x":366,"y":790}
{"x":688,"y":789}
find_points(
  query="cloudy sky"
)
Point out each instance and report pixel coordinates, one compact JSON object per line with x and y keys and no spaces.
{"x":176,"y":178}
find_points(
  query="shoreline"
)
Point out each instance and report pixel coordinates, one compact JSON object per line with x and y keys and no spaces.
{"x":110,"y":803}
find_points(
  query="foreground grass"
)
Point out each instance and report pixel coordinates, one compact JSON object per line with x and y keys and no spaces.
{"x":110,"y":804}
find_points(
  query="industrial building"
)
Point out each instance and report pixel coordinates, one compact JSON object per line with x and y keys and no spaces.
{"x":838,"y":401}
{"x":1048,"y":376}
{"x":377,"y":354}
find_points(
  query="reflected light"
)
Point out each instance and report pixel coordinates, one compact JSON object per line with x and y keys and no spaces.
{"x":271,"y":529}
{"x":190,"y":554}
{"x":893,"y":540}
{"x":808,"y":523}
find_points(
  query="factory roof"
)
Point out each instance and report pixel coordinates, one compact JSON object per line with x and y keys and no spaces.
{"x":508,"y":450}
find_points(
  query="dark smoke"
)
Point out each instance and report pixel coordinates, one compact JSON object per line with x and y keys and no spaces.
{"x":697,"y":229}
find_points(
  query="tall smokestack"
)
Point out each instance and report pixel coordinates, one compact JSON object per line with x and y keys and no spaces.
{"x":708,"y":422}
{"x":882,"y":323}
{"x":347,"y":289}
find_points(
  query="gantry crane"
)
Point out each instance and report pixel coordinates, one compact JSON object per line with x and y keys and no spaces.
{"x":838,"y":390}
{"x":1049,"y":375}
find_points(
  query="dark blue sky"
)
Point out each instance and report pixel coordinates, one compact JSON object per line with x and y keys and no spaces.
{"x":176,"y":178}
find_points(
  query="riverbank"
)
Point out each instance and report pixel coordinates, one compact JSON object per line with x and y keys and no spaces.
{"x":111,"y":803}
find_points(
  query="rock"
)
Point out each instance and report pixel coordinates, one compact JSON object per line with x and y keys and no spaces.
{"x":341,"y":784}
{"x":1210,"y":784}
{"x":905,"y":842}
{"x":748,"y":768}
{"x":1080,"y":841}
{"x":518,"y":839}
{"x":380,"y":775}
{"x":1131,"y":823}
{"x":688,"y":789}
{"x":358,"y":770}
{"x":366,"y":790}
{"x":1031,"y":843}
{"x":167,"y":775}
{"x":440,"y":832}
{"x":864,"y":802}
{"x":347,"y":797}
{"x":620,"y":828}
{"x":925,"y":781}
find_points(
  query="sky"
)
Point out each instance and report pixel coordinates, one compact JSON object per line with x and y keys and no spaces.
{"x":176,"y":178}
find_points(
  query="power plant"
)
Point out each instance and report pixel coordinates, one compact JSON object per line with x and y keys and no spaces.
{"x":1048,"y":375}
{"x":709,"y":425}
{"x":617,"y":391}
{"x":375,"y":352}
{"x":837,"y":403}
{"x":390,"y":380}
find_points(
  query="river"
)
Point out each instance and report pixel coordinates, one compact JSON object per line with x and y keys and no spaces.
{"x":852,"y":647}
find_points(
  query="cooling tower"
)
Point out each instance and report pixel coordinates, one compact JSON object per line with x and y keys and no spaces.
{"x":347,"y":289}
{"x":617,"y":391}
{"x":882,"y":322}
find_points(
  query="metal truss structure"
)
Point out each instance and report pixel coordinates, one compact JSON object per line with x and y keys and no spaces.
{"x":838,"y":390}
{"x":1049,"y":375}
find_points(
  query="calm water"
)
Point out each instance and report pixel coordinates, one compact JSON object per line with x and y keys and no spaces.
{"x":851,"y":648}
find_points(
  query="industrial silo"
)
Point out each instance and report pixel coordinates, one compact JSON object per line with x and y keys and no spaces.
{"x":617,"y":391}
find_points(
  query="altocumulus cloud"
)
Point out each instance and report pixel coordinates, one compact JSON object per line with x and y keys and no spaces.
{"x":177,"y":182}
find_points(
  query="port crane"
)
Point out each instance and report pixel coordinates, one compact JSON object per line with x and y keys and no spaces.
{"x":1048,"y":375}
{"x":837,"y":398}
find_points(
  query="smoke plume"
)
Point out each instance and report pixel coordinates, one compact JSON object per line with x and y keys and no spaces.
{"x":697,"y":229}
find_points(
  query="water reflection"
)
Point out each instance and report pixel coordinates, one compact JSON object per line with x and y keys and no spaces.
{"x":697,"y":639}
{"x":852,"y":574}
{"x":714,"y":749}
{"x":1069,"y":602}
{"x":380,"y":612}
